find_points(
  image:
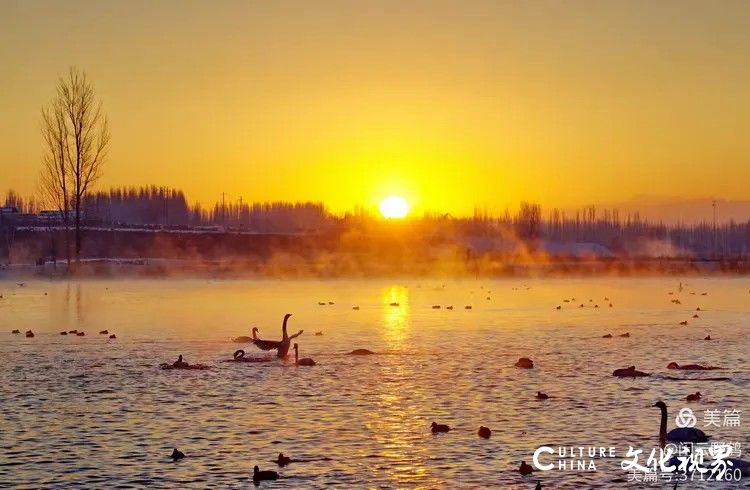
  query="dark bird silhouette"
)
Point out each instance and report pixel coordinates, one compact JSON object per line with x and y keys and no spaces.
{"x":355,"y":307}
{"x":282,"y":346}
{"x":558,"y":307}
{"x":80,"y":334}
{"x":607,"y":336}
{"x":361,"y":352}
{"x":177,"y":455}
{"x":29,"y":334}
{"x":467,"y":307}
{"x":113,"y":336}
{"x":104,"y":332}
{"x":525,"y":469}
{"x":306,"y":361}
{"x":629,"y":372}
{"x":484,"y":432}
{"x":16,"y":331}
{"x":680,"y":434}
{"x":63,"y":333}
{"x":318,"y":334}
{"x":538,"y":486}
{"x":707,"y":337}
{"x":435,"y":307}
{"x":691,"y":367}
{"x":283,"y":460}
{"x":436,"y":428}
{"x":625,"y":335}
{"x":259,"y":476}
{"x":541,"y":396}
{"x":524,"y":363}
{"x":684,"y":322}
{"x":694,"y":397}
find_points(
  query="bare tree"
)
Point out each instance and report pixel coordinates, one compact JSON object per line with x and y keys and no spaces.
{"x":54,"y":175}
{"x":76,"y":135}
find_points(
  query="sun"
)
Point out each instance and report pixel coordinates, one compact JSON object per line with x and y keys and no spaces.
{"x":394,"y":207}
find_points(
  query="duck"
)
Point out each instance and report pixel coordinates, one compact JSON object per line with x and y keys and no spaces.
{"x":73,"y":331}
{"x":283,"y":460}
{"x":306,"y":361}
{"x":684,"y":322}
{"x":80,"y":334}
{"x":607,"y":336}
{"x":395,"y":303}
{"x":610,"y":305}
{"x":484,"y":432}
{"x":331,"y":303}
{"x":625,"y":335}
{"x":629,"y":372}
{"x":449,"y":307}
{"x":16,"y":331}
{"x":541,"y":395}
{"x":707,"y":337}
{"x":29,"y":334}
{"x":355,"y":307}
{"x":467,"y":307}
{"x":177,"y":454}
{"x":104,"y":332}
{"x":696,"y":316}
{"x":436,"y":428}
{"x":524,"y":363}
{"x":113,"y":336}
{"x":558,"y":307}
{"x":435,"y":307}
{"x":361,"y":352}
{"x":680,"y":434}
{"x":525,"y":469}
{"x":259,"y":476}
{"x":694,"y":397}
{"x":318,"y":334}
{"x":698,"y":309}
{"x":63,"y":333}
{"x":321,"y":303}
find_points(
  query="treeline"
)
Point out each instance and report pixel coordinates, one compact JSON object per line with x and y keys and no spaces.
{"x":628,"y":234}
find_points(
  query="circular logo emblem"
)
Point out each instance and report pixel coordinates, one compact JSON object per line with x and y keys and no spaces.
{"x":686,"y":418}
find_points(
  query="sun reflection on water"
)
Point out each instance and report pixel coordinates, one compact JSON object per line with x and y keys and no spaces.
{"x":395,"y":315}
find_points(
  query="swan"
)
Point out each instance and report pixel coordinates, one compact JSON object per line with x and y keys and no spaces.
{"x":282,"y":346}
{"x":177,"y":455}
{"x":694,"y":397}
{"x":525,"y":469}
{"x":259,"y":476}
{"x":525,"y":363}
{"x":541,"y":396}
{"x":691,"y":367}
{"x":435,"y":428}
{"x":484,"y":432}
{"x":629,"y":372}
{"x":306,"y":361}
{"x":680,"y":434}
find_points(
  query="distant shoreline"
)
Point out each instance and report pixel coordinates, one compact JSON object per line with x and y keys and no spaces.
{"x":342,"y":267}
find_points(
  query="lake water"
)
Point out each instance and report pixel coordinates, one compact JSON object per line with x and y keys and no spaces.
{"x":90,"y":412}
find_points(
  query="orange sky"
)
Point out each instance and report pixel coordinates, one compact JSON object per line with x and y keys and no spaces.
{"x":451,"y":104}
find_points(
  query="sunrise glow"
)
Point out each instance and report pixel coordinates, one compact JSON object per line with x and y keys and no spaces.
{"x":394,"y":207}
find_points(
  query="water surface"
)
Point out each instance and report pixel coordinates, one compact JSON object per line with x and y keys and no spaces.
{"x":89,"y":412}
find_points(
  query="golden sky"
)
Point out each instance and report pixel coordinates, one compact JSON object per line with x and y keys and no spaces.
{"x":452,"y":104}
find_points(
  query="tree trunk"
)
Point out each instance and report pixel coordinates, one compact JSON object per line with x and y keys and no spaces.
{"x":78,"y":231}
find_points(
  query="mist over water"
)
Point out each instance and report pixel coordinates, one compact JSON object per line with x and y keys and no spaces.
{"x":89,"y":412}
